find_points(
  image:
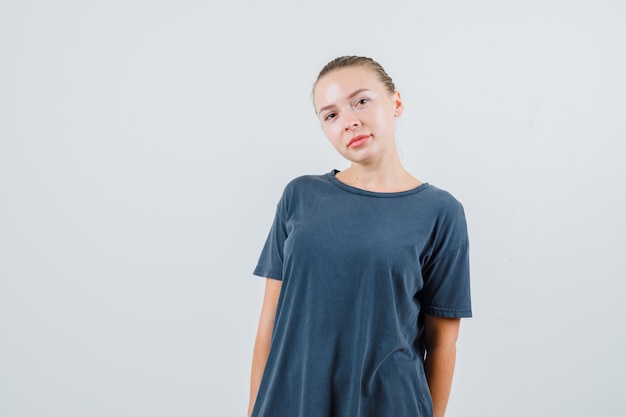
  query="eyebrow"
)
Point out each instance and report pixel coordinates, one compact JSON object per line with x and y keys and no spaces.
{"x":350,"y":97}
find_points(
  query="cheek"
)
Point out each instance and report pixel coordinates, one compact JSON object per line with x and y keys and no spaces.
{"x":332,"y":132}
{"x":384,"y":120}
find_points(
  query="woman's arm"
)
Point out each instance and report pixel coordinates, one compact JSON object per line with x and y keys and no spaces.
{"x":441,"y":335}
{"x":263,"y":337}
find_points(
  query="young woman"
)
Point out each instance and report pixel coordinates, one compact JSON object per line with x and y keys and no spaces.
{"x":367,"y":272}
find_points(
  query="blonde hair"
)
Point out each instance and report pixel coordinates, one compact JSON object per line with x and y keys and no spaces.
{"x":357,"y":61}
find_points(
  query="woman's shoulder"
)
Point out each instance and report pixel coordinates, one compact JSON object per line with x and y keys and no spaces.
{"x":306,"y":182}
{"x":441,"y":194}
{"x":303,"y":187}
{"x":442,"y":202}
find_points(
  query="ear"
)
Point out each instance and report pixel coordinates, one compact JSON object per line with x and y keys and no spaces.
{"x":399,"y":106}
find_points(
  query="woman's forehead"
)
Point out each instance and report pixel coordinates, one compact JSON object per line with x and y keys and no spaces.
{"x":342,"y":83}
{"x":347,"y":77}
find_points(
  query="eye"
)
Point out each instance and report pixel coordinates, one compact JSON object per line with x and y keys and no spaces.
{"x":362,"y":101}
{"x":330,"y":116}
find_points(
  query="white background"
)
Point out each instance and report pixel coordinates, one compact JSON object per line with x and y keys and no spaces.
{"x":144,"y":145}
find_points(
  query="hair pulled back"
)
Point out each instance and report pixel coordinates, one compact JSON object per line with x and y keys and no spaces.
{"x":357,"y":61}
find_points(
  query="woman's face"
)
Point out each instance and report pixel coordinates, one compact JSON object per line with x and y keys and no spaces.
{"x":357,"y":113}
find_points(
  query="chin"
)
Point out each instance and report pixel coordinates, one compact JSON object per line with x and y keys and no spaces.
{"x":362,"y":160}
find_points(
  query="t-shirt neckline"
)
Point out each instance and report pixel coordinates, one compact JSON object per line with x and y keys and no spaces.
{"x":331,"y":177}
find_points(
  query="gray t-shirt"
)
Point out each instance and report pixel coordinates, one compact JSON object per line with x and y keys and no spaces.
{"x":358,"y":270}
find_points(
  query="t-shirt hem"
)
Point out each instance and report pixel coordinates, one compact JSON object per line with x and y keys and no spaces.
{"x":446,"y":312}
{"x":268,"y":274}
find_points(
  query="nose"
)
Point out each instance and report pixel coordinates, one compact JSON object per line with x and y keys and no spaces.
{"x":352,"y":122}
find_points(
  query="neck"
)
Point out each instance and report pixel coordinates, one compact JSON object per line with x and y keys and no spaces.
{"x":388,"y":177}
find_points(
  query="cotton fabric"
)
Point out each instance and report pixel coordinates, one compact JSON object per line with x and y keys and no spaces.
{"x":359,"y":269}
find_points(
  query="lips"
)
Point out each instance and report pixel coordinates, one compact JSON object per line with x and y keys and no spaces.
{"x":357,"y":141}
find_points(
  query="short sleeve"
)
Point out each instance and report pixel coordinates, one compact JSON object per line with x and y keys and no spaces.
{"x":446,"y":291}
{"x":270,"y":264}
